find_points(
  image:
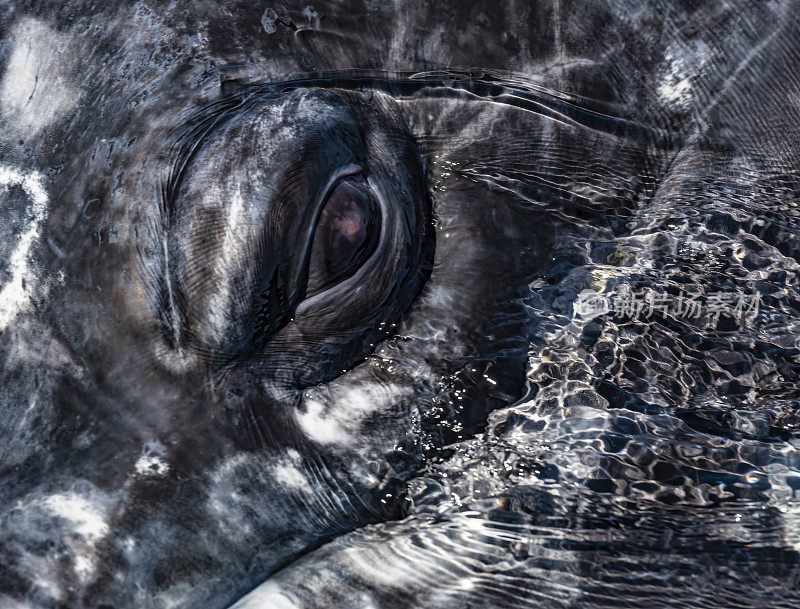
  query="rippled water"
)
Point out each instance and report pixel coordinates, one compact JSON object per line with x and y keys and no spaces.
{"x":653,"y":458}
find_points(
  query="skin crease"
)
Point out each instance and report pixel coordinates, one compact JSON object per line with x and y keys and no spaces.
{"x":171,"y":438}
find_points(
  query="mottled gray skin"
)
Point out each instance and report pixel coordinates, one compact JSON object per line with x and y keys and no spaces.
{"x":156,"y":451}
{"x":163,"y":447}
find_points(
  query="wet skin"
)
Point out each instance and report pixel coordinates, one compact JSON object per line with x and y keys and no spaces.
{"x":260,"y":375}
{"x":262,"y":318}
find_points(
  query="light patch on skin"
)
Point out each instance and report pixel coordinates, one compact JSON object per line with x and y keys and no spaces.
{"x":17,"y":291}
{"x":266,"y":596}
{"x":88,"y":526}
{"x":151,"y":462}
{"x":336,"y":418}
{"x":673,"y":91}
{"x":230,"y":253}
{"x":35,"y":90}
{"x":441,"y":297}
{"x":287,"y":471}
{"x":40,"y":348}
{"x":9,"y":603}
{"x":320,"y":428}
{"x":682,"y":63}
{"x":129,"y":546}
{"x":43,"y":578}
{"x":226,"y":505}
{"x":175,"y":598}
{"x":86,"y":519}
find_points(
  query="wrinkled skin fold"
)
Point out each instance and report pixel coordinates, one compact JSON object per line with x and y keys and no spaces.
{"x":287,"y":304}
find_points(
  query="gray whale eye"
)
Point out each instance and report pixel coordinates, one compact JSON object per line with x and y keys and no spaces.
{"x":293,"y":241}
{"x":346,"y":235}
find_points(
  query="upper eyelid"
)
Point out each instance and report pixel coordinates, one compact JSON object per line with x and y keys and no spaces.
{"x":345,"y":173}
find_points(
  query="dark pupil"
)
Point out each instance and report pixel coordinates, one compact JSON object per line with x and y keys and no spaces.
{"x":346,"y":235}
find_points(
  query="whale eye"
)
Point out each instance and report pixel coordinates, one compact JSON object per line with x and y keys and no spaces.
{"x":345,"y":237}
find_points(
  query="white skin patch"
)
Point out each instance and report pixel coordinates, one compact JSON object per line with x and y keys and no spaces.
{"x":266,"y":596}
{"x":86,"y":519}
{"x":9,"y":603}
{"x":288,"y":473}
{"x":319,"y":427}
{"x":230,"y":254}
{"x":151,"y":462}
{"x":86,"y":526}
{"x":35,"y":90}
{"x":337,"y":419}
{"x":225,"y":503}
{"x":16,"y":292}
{"x":682,"y":63}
